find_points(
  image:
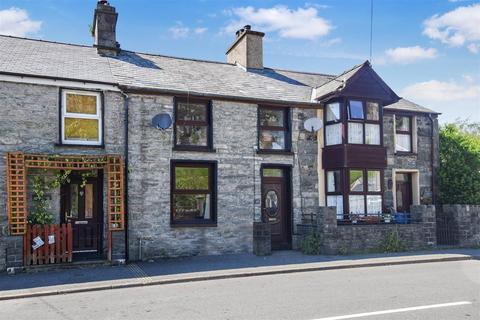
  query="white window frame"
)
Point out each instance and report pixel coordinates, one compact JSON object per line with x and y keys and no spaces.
{"x":97,"y":116}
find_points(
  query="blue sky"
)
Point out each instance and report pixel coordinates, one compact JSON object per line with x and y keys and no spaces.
{"x":427,"y":51}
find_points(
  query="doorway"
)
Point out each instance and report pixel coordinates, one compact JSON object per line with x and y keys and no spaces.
{"x":81,"y":205}
{"x":276,"y":204}
{"x":403,"y":189}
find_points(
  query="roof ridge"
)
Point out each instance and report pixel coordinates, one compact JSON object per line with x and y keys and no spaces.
{"x":180,"y":58}
{"x":304,"y":72}
{"x":46,"y":41}
{"x":344,"y":72}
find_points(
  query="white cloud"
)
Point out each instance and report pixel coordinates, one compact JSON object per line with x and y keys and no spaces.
{"x":16,"y":22}
{"x":302,"y":23}
{"x":454,"y":99}
{"x":179,"y":31}
{"x":405,"y":55}
{"x":200,"y":30}
{"x":435,"y":90}
{"x":456,"y":28}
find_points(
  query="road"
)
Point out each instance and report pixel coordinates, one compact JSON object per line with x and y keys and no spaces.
{"x":447,"y":290}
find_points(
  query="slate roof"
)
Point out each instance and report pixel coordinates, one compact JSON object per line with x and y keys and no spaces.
{"x":336,"y":83}
{"x":407,"y":105}
{"x":148,"y":71}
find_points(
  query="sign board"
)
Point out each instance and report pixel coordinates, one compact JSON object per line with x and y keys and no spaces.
{"x":37,"y":243}
{"x":51,"y":239}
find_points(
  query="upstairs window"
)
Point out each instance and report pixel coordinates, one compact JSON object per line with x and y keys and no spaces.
{"x":274,"y":129}
{"x":333,"y":127}
{"x":364,"y":122}
{"x":193,"y":128}
{"x":403,"y":133}
{"x":81,"y":121}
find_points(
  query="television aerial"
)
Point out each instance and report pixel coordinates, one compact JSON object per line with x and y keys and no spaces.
{"x":313,"y":124}
{"x":162,"y":121}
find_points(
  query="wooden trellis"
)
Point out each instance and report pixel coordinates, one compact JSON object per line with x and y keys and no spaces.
{"x":115,"y":193}
{"x":18,"y":164}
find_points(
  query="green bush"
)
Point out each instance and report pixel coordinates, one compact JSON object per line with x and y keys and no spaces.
{"x":392,"y":243}
{"x":459,"y":171}
{"x":311,"y":244}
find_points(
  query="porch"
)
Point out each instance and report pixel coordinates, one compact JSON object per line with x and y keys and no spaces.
{"x":72,"y":229}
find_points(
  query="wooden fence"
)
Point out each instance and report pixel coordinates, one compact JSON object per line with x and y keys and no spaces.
{"x":57,"y":246}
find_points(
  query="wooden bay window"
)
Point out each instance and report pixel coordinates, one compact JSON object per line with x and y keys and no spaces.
{"x":364,"y":125}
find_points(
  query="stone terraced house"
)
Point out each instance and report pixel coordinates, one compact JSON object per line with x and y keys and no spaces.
{"x":169,"y":156}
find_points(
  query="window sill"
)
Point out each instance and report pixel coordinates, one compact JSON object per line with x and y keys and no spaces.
{"x":194,"y":149}
{"x":399,"y":153}
{"x":278,"y":152}
{"x":192,"y":225}
{"x":82,"y":146}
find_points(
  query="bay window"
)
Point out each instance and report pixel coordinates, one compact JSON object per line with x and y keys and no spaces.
{"x":334,"y":191}
{"x":333,"y":127}
{"x":81,"y":118}
{"x":364,"y":122}
{"x":365,"y":191}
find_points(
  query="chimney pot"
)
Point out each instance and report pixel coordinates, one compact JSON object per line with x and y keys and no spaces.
{"x":247,"y":27}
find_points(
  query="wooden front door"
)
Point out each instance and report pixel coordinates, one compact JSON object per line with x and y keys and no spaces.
{"x":81,"y":206}
{"x":275,"y":207}
{"x":403,"y":184}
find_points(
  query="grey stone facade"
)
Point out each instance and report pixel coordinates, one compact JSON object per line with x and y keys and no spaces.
{"x":239,"y":183}
{"x":29,"y":123}
{"x":419,"y":160}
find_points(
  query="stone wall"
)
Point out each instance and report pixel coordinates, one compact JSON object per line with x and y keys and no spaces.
{"x":466,"y":223}
{"x":239,"y":183}
{"x":345,"y":239}
{"x":419,"y":160}
{"x":29,"y":123}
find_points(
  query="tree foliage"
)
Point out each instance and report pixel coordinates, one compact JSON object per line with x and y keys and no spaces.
{"x":459,"y":172}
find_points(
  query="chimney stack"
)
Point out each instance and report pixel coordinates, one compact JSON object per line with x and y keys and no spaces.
{"x":247,"y":49}
{"x":103,"y":31}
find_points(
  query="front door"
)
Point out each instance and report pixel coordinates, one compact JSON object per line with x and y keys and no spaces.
{"x":403,"y":184}
{"x":275,"y":207}
{"x":81,"y":206}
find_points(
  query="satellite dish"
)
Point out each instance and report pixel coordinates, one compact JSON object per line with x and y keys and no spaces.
{"x":162,"y":121}
{"x":313,"y":124}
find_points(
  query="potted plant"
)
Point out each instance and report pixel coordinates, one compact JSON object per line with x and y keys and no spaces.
{"x":354,"y":218}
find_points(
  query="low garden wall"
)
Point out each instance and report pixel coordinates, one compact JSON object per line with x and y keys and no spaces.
{"x":466,"y":223}
{"x":345,"y":239}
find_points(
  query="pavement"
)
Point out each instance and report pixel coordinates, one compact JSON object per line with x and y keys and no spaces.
{"x":202,"y":268}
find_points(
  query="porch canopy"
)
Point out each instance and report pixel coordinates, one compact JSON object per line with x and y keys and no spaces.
{"x":18,"y":163}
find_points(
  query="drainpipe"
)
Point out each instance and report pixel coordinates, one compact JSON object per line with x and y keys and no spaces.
{"x":432,"y":154}
{"x":125,"y":180}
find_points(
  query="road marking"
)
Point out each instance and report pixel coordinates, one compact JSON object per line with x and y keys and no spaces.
{"x":376,"y":313}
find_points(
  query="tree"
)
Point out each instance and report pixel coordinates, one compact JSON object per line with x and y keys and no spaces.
{"x":459,"y":172}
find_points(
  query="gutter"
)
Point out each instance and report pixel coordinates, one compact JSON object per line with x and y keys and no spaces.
{"x":125,"y":180}
{"x":213,"y":96}
{"x":432,"y":154}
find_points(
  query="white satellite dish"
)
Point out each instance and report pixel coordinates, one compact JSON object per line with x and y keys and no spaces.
{"x":313,"y":124}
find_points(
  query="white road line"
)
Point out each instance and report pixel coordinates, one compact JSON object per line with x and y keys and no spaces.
{"x":376,"y":313}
